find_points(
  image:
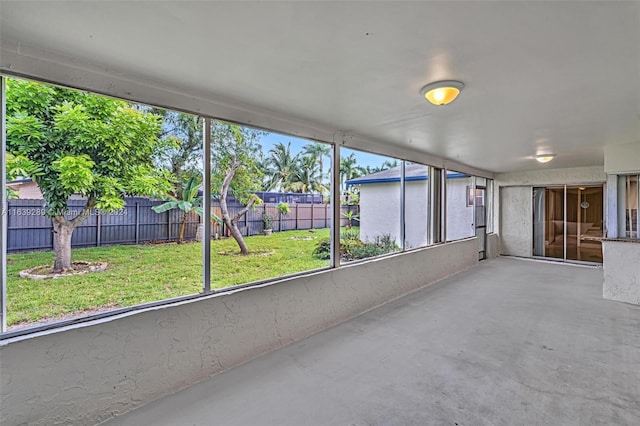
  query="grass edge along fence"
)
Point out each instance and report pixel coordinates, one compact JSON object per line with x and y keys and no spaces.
{"x":30,"y":230}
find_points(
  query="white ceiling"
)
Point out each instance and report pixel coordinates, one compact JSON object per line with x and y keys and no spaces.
{"x":562,"y":77}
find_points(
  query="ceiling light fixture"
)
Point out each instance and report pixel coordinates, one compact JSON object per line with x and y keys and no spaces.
{"x":442,"y":92}
{"x":545,"y":158}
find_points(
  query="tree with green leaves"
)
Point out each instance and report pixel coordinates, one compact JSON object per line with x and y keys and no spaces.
{"x":188,"y":202}
{"x":318,"y":151}
{"x":307,"y":177}
{"x":349,"y":169}
{"x":18,"y":166}
{"x":280,"y":168}
{"x":180,"y":152}
{"x":234,"y":150}
{"x":386,"y":165}
{"x":80,"y":143}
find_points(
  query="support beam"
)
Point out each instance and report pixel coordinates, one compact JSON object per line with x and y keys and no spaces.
{"x":3,"y":199}
{"x":335,"y":201}
{"x":206,"y":205}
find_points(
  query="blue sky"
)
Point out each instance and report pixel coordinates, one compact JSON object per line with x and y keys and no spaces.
{"x":364,"y":159}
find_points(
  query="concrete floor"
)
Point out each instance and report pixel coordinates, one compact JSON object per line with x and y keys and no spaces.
{"x":510,"y":342}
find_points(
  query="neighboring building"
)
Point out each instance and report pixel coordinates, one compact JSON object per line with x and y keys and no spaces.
{"x":26,"y":189}
{"x":380,"y":205}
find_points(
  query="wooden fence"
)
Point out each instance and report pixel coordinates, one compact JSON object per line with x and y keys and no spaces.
{"x":29,"y":229}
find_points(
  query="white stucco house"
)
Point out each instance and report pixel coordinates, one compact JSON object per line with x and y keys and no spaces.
{"x":380,"y":205}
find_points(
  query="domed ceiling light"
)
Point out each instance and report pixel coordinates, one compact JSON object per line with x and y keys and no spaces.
{"x":442,"y":92}
{"x":544,"y":158}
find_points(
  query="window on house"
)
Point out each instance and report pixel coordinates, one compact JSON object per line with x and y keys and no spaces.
{"x":628,"y":196}
{"x":475,"y":196}
{"x":370,"y":198}
{"x":270,"y":201}
{"x":103,"y":195}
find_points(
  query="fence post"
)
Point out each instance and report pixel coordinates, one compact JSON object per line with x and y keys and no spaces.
{"x":312,"y":209}
{"x":296,"y":216}
{"x":98,"y":232}
{"x":137,"y":222}
{"x":326,"y":208}
{"x":168,"y":225}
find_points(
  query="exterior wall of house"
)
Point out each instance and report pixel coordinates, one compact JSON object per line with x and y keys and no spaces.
{"x":87,"y":373}
{"x":416,"y":208}
{"x":380,"y":211}
{"x":460,"y":223}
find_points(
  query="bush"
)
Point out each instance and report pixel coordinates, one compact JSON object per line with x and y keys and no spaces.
{"x":366,"y":250}
{"x":350,"y":234}
{"x":351,"y":248}
{"x":323,"y":249}
{"x":283,"y":208}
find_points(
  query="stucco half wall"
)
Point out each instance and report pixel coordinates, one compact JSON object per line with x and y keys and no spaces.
{"x":88,"y":373}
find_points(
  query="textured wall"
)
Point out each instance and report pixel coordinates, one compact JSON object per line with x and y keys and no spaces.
{"x":516,"y":221}
{"x":621,"y":271}
{"x":88,"y":373}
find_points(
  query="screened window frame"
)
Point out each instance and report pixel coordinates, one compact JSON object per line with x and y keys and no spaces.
{"x":435,"y":215}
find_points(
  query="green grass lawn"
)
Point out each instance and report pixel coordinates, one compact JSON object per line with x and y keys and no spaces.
{"x":146,"y":273}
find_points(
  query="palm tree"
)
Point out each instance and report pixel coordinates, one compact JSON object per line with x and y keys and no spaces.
{"x":280,"y":167}
{"x":189,"y":202}
{"x":308,"y":176}
{"x":349,"y":169}
{"x":386,"y":165}
{"x":317,"y":151}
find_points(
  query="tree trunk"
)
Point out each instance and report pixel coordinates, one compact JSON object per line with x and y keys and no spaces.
{"x":62,"y":232}
{"x":232,"y":226}
{"x":237,"y":235}
{"x":232,"y":223}
{"x":182,"y":225}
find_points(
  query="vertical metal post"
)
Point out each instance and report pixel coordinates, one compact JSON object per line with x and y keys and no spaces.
{"x":335,"y":202}
{"x":296,"y":216}
{"x":564,"y":239}
{"x":638,"y":207}
{"x":137,"y":222}
{"x":473,"y":205}
{"x":3,"y":198}
{"x":429,"y":205}
{"x":98,"y":230}
{"x":402,"y":207}
{"x":206,"y":206}
{"x":443,"y":205}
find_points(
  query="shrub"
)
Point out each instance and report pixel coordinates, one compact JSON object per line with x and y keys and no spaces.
{"x":351,"y":248}
{"x":283,"y":208}
{"x":323,"y":249}
{"x":367,"y":250}
{"x":350,"y":234}
{"x":267,"y":221}
{"x":382,"y":244}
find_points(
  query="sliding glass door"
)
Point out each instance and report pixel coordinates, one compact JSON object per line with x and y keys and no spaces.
{"x":568,"y":223}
